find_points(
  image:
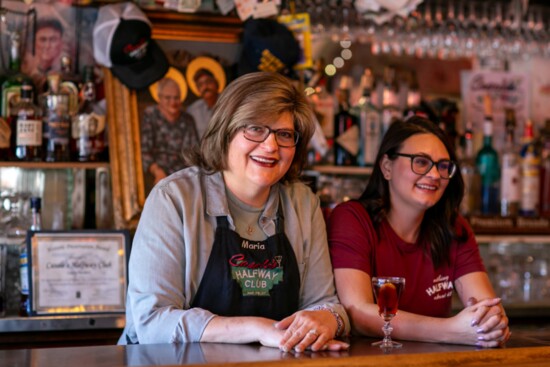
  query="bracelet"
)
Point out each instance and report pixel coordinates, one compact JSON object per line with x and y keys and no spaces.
{"x":339,"y":321}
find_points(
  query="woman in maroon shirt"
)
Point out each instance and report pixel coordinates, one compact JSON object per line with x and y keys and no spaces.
{"x":406,"y":224}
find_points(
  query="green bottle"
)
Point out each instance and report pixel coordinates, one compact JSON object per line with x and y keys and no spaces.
{"x":487,"y":162}
{"x":11,"y":88}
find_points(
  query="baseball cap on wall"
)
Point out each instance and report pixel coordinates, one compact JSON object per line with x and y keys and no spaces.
{"x":268,"y":46}
{"x":122,"y":42}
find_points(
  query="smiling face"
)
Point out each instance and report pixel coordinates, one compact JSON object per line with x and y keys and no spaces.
{"x":208,"y":89}
{"x":170,"y":100}
{"x":410,"y":192}
{"x":252,"y":168}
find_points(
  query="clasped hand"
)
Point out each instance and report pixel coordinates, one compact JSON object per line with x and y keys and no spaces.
{"x":314,"y":330}
{"x":488,"y":323}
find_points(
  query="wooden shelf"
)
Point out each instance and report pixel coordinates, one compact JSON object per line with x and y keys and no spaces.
{"x":55,"y":165}
{"x":510,"y":225}
{"x":341,"y":170}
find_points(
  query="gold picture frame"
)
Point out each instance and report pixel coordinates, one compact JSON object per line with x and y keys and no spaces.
{"x":122,"y":108}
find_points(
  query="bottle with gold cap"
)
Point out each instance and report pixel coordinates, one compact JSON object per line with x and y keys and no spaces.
{"x":530,"y":173}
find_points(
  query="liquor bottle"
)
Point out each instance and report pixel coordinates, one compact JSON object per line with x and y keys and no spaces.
{"x":530,"y":173}
{"x":488,"y":165}
{"x":545,"y":171}
{"x":346,"y":128}
{"x":88,"y":127}
{"x":510,"y":180}
{"x":470,"y":175}
{"x":324,"y":103}
{"x":26,"y":121}
{"x":36,"y":225}
{"x":57,"y":122}
{"x":390,"y":100}
{"x":70,"y":83}
{"x":369,"y":122}
{"x":5,"y":140}
{"x":414,"y":99}
{"x":11,"y":88}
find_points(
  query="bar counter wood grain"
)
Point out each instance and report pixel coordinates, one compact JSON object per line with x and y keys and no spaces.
{"x":526,"y":348}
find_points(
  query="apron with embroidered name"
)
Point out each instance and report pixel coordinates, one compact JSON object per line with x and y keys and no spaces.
{"x":250,"y":278}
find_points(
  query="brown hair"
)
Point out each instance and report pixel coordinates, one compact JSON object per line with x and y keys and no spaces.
{"x":258,"y":98}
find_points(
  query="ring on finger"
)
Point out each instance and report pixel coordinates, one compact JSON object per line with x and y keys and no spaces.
{"x":314,"y":332}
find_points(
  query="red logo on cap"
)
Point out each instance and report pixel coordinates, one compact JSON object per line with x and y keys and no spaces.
{"x":138,"y":50}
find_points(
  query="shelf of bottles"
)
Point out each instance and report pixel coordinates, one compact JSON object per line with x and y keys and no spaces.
{"x":54,"y":165}
{"x":52,"y":131}
{"x":339,"y":170}
{"x":507,"y":184}
{"x":49,"y":117}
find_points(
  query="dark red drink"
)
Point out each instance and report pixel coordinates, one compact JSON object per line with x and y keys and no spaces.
{"x":387,"y":296}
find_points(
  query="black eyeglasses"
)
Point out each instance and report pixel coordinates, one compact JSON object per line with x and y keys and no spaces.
{"x":285,"y":138}
{"x":420,"y":164}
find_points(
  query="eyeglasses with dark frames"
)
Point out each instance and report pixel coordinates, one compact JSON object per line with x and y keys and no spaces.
{"x":286,"y":138}
{"x":420,"y":164}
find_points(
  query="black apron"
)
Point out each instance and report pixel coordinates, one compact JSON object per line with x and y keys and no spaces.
{"x":250,"y":278}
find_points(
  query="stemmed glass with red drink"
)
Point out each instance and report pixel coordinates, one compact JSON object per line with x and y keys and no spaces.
{"x":387,"y":291}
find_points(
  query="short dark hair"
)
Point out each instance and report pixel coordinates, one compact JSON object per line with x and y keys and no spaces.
{"x":437,"y":226}
{"x":202,"y":72}
{"x":49,"y":23}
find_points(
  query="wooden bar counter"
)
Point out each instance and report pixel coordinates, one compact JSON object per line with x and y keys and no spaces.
{"x":527,"y":347}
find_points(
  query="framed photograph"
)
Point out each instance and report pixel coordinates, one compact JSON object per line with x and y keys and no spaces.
{"x":75,"y":272}
{"x":125,"y":107}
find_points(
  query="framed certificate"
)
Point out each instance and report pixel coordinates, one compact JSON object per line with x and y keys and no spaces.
{"x":75,"y":272}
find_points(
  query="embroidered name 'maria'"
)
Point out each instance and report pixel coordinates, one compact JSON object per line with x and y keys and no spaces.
{"x":253,"y":246}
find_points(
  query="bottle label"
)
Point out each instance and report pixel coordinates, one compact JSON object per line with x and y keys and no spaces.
{"x":87,"y":125}
{"x":72,"y":90}
{"x":349,"y":140}
{"x":58,"y":130}
{"x":10,"y":97}
{"x":24,"y":273}
{"x":371,"y":135}
{"x":29,"y":132}
{"x":530,"y":185}
{"x":510,"y":179}
{"x":5,"y":134}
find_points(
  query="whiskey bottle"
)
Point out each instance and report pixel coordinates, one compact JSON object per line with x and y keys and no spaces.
{"x":88,"y":127}
{"x":510,"y":178}
{"x":5,"y":140}
{"x":27,"y":126}
{"x":530,"y":173}
{"x":57,"y":122}
{"x":70,"y":83}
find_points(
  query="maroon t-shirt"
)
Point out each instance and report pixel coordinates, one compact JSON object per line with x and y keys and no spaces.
{"x":354,"y":243}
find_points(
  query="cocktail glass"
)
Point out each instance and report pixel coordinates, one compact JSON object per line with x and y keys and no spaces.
{"x":387,"y":291}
